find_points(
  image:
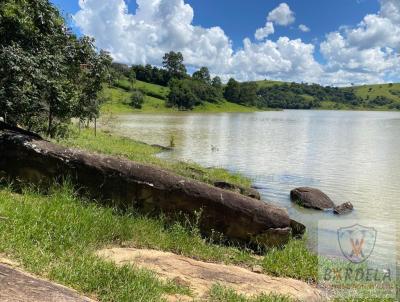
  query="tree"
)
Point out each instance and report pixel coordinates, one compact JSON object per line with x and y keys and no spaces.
{"x":173,"y":63}
{"x":232,"y":91}
{"x":132,"y":77}
{"x":217,"y":83}
{"x":203,"y":75}
{"x":181,"y":95}
{"x":248,"y":94}
{"x":47,"y":74}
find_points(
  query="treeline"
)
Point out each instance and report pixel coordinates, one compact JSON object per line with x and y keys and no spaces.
{"x":47,"y":75}
{"x":188,"y":91}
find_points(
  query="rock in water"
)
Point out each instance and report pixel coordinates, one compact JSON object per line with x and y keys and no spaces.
{"x":344,"y":208}
{"x":311,"y":198}
{"x":126,"y":184}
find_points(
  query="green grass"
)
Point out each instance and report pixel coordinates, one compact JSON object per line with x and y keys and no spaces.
{"x":118,"y":99}
{"x":55,"y":236}
{"x":140,"y":152}
{"x":374,"y":91}
{"x":268,"y":83}
{"x":222,"y":294}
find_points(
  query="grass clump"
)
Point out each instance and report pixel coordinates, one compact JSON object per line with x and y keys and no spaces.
{"x":222,"y":294}
{"x":56,"y":235}
{"x":143,"y":153}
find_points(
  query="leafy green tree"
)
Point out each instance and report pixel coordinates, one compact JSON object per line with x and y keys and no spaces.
{"x":182,"y":94}
{"x":47,"y":74}
{"x":132,"y":77}
{"x":203,"y":75}
{"x":217,"y":82}
{"x":173,"y":63}
{"x":232,"y":91}
{"x":248,"y":94}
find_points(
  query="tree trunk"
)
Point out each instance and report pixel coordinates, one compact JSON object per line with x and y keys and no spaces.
{"x":50,"y":125}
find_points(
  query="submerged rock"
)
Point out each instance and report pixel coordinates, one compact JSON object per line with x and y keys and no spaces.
{"x":311,"y":198}
{"x":316,"y":199}
{"x":127,"y":184}
{"x":344,"y":208}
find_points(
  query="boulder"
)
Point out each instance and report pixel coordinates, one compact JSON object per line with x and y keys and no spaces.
{"x":250,"y":192}
{"x":127,"y":184}
{"x":344,"y":208}
{"x":311,"y":198}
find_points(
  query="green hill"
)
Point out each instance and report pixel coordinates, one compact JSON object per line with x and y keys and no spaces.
{"x":269,"y":83}
{"x":118,"y":100}
{"x":390,"y":91}
{"x":372,"y":97}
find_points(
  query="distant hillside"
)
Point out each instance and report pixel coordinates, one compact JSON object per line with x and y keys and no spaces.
{"x":376,"y":97}
{"x":268,"y":83}
{"x":118,"y":100}
{"x":369,"y":92}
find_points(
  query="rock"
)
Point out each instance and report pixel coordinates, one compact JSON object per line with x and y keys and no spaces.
{"x":311,"y":198}
{"x":16,"y":285}
{"x":298,"y":229}
{"x":257,"y":269}
{"x":344,"y":208}
{"x":126,"y":184}
{"x":250,"y":192}
{"x":201,"y":276}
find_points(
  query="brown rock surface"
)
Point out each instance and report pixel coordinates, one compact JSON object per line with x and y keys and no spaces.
{"x":201,"y":276}
{"x":148,"y":189}
{"x":17,"y":286}
{"x":311,"y":198}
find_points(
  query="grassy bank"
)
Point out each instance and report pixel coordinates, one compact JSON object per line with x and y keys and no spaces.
{"x":56,"y":235}
{"x":115,"y":145}
{"x":118,"y":99}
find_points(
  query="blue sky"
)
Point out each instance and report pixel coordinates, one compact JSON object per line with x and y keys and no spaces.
{"x":335,"y":36}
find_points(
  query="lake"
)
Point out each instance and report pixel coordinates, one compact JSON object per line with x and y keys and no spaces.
{"x":351,"y":156}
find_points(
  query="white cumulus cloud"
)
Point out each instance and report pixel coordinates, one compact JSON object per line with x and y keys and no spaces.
{"x":365,"y":53}
{"x":265,"y":31}
{"x":369,"y":51}
{"x":304,"y":28}
{"x":282,"y":15}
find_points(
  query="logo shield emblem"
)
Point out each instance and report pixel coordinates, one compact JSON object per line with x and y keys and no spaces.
{"x":357,"y":242}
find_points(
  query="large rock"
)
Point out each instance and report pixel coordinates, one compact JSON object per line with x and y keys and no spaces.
{"x":128,"y":184}
{"x":200,"y":276}
{"x":311,"y":198}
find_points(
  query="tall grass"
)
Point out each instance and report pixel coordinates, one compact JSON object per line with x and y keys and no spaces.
{"x":56,"y":235}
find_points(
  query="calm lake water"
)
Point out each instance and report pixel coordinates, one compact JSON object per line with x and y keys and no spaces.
{"x":351,"y":156}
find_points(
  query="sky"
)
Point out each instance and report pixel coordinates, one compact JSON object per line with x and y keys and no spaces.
{"x":327,"y":42}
